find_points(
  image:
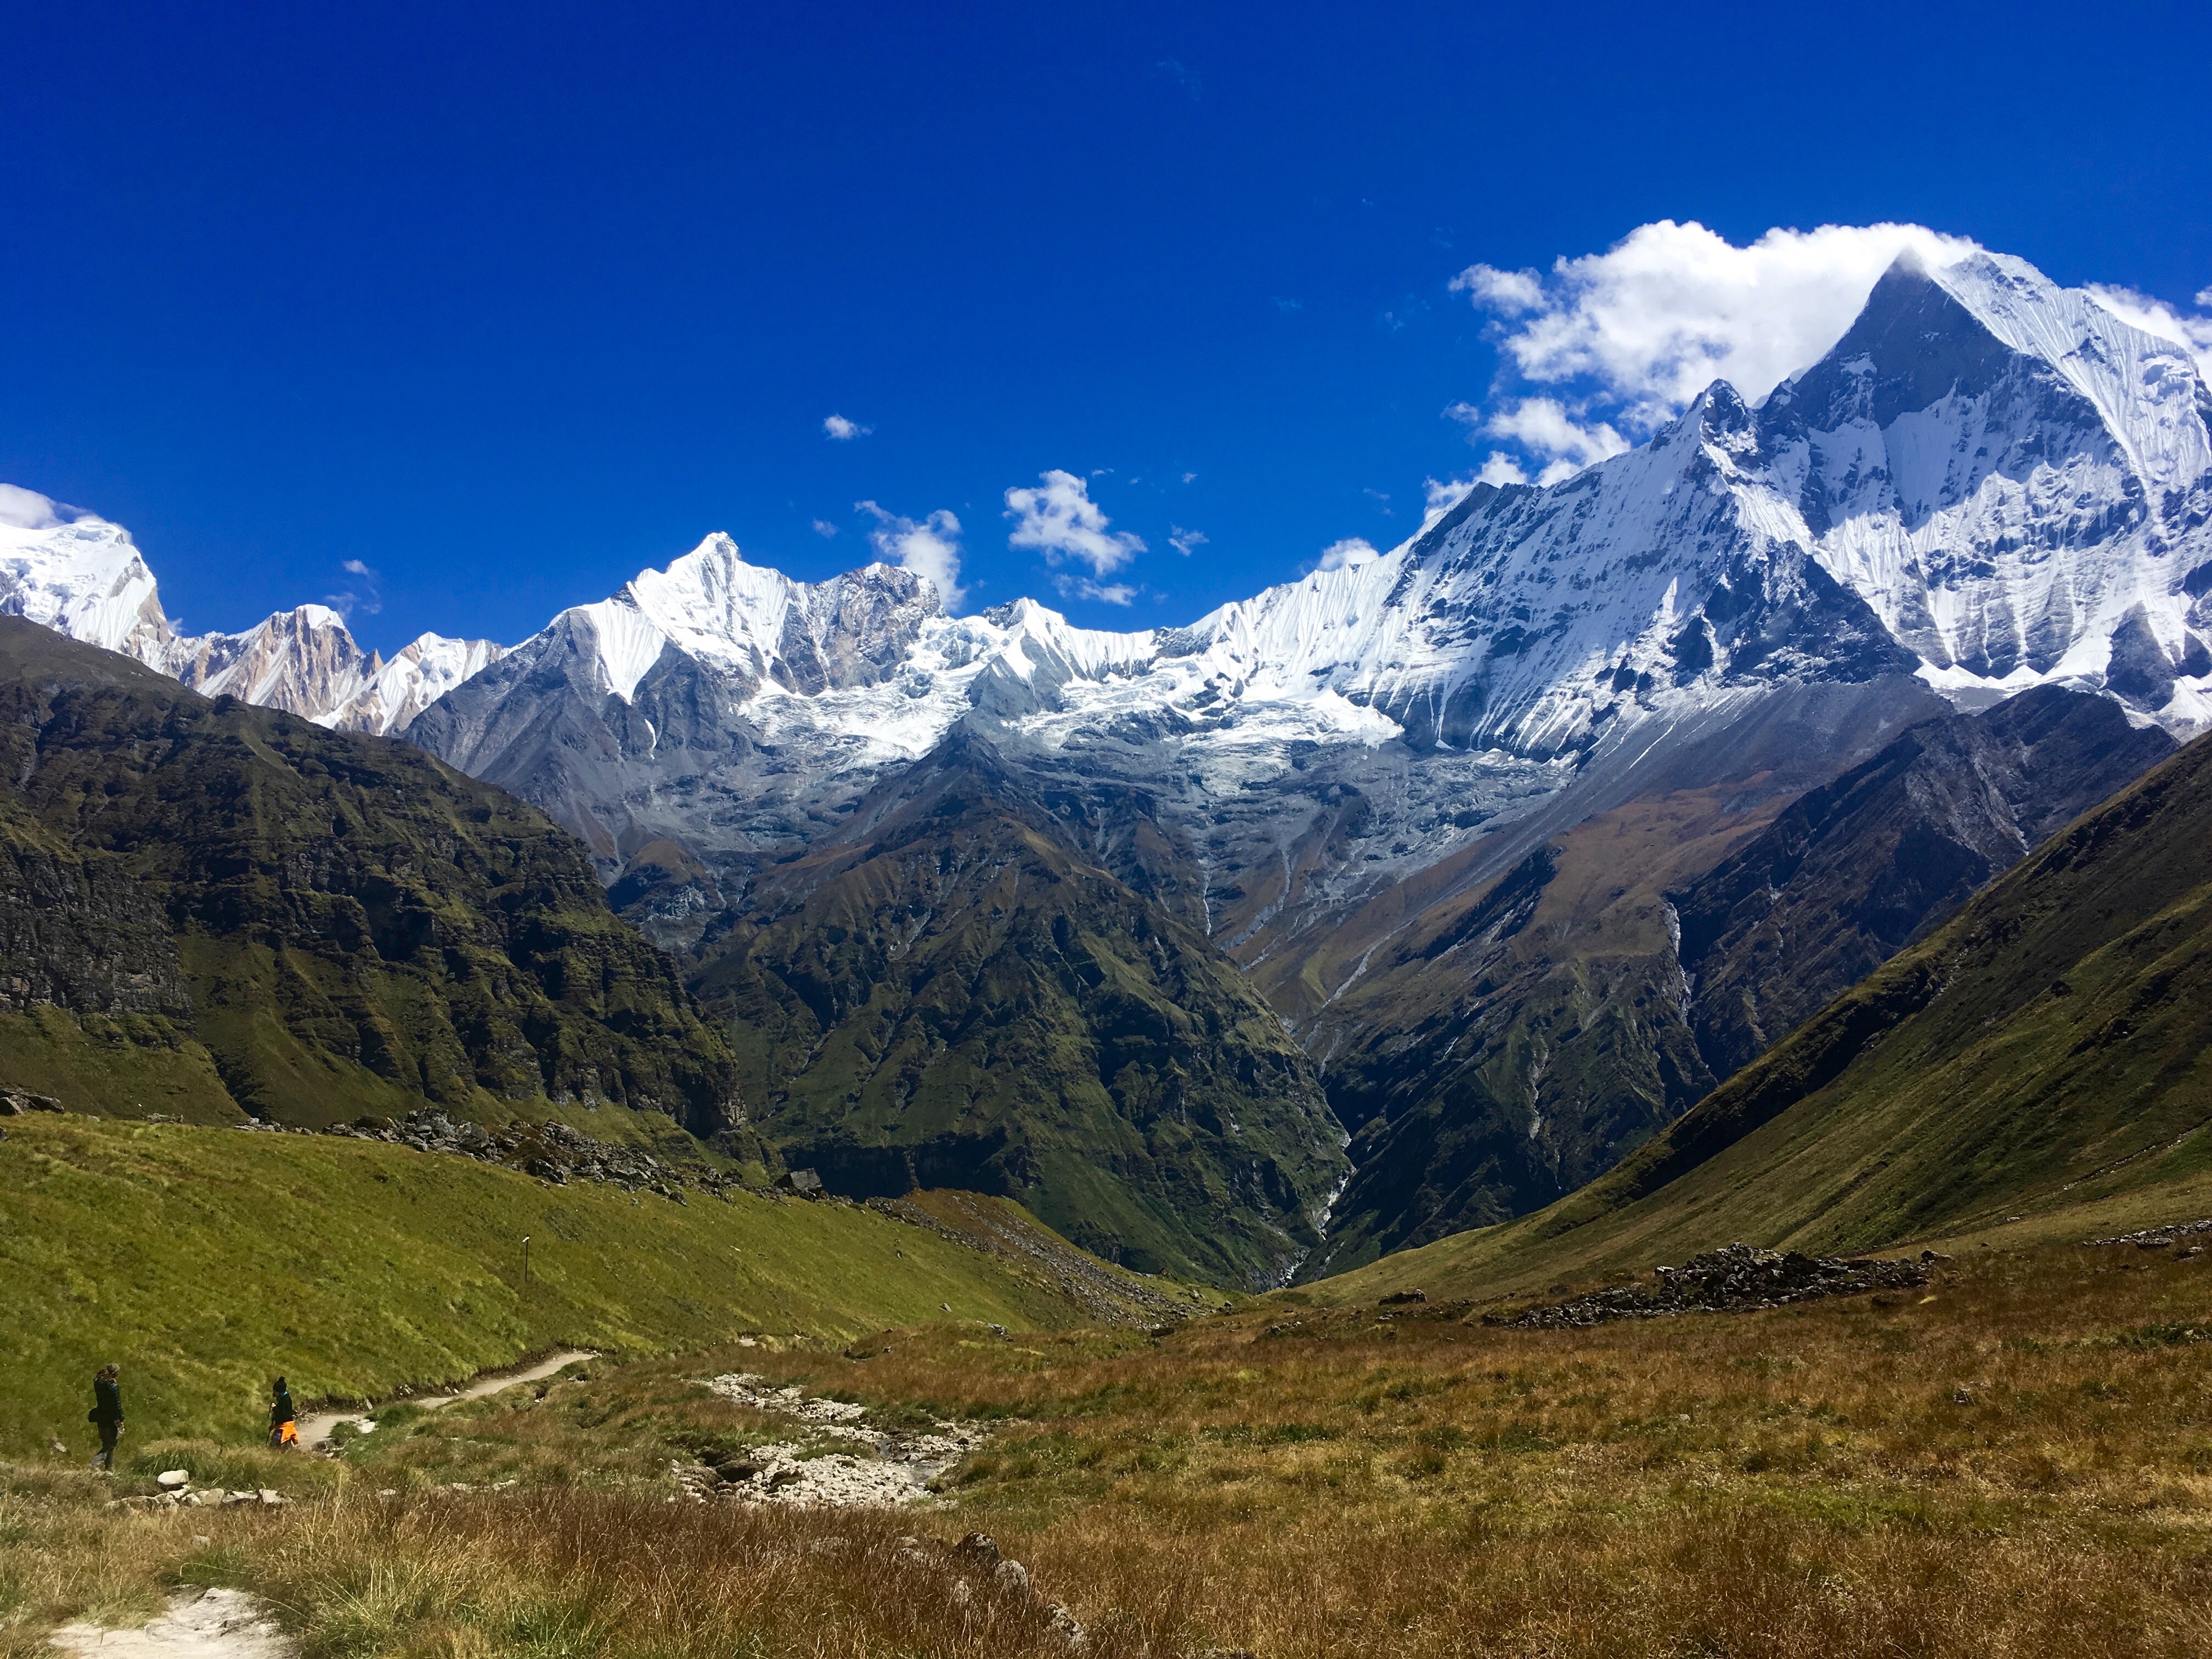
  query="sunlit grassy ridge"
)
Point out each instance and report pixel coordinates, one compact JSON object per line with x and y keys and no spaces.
{"x":205,"y":1260}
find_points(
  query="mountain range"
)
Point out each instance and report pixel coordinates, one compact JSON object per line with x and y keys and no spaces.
{"x":1493,"y":853}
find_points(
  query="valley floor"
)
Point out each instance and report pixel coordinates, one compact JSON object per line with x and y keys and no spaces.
{"x":2015,"y":1459}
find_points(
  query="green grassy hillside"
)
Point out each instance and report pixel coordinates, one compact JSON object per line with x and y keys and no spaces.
{"x":945,"y":994}
{"x":202,"y":1261}
{"x":2046,"y":1051}
{"x":234,"y":908}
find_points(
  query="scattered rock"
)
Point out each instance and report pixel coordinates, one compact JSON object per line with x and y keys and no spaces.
{"x":1399,"y":1298}
{"x":2154,"y":1238}
{"x":1012,"y":1578}
{"x":979,"y":1548}
{"x":552,"y":1151}
{"x":174,"y":1480}
{"x":803,"y":1182}
{"x":1737,"y":1278}
{"x":1062,"y":1626}
{"x":273,"y":1499}
{"x":16,"y":1102}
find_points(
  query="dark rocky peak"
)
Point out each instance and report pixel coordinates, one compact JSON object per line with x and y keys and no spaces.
{"x":1913,"y":345}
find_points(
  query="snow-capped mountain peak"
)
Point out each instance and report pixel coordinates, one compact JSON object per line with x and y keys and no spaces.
{"x":84,"y":577}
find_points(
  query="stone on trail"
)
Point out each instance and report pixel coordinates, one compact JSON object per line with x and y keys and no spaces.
{"x":174,"y":1480}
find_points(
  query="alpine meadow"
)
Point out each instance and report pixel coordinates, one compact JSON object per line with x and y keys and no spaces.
{"x":1044,"y":847}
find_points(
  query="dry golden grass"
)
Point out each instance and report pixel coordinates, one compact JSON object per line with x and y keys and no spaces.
{"x":2022,"y":1464}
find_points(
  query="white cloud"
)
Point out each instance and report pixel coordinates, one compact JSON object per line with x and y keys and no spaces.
{"x":1561,"y":438}
{"x":361,"y":595}
{"x":1060,"y":521}
{"x":1551,"y":432}
{"x":1507,"y":293}
{"x":825,"y":529}
{"x":1347,"y":555}
{"x":2154,"y":316}
{"x":1082,"y":587}
{"x":1188,"y":476}
{"x":1442,"y":495}
{"x":1646,"y":326}
{"x":929,"y":548}
{"x":838,"y":427}
{"x":26,"y":509}
{"x":1185,"y":542}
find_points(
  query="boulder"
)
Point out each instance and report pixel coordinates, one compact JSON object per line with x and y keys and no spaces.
{"x":174,"y":1480}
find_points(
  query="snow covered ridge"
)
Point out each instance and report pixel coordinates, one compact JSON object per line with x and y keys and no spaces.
{"x":85,"y":579}
{"x":1991,"y":481}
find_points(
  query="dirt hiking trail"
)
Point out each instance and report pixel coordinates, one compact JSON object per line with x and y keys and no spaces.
{"x":316,"y":1427}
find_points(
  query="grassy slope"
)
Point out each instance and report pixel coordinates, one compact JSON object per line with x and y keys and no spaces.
{"x":202,"y":1261}
{"x":2045,"y":1050}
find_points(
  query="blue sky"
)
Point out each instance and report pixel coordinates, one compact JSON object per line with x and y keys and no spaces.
{"x":505,"y":303}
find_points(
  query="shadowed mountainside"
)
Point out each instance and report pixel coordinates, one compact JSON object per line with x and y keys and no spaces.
{"x":209,"y":906}
{"x":1521,"y":1037}
{"x":2043,"y":1050}
{"x":945,"y":994}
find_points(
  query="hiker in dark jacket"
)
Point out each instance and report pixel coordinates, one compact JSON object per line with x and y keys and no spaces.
{"x":283,"y":1426}
{"x":107,"y":1415}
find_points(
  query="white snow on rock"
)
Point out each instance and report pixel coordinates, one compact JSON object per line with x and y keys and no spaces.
{"x":85,"y":578}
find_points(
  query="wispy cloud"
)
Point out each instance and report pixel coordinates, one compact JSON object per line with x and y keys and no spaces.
{"x":825,"y":529}
{"x":1185,"y":542}
{"x":1563,"y":438}
{"x":844,"y":431}
{"x":929,"y":547}
{"x":1179,"y":75}
{"x":361,"y":594}
{"x":1059,"y":519}
{"x":26,"y":509}
{"x":2155,"y":316}
{"x":1347,"y":555}
{"x":1082,"y":587}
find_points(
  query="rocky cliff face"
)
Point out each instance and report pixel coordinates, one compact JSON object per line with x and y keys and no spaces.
{"x":1852,"y":872}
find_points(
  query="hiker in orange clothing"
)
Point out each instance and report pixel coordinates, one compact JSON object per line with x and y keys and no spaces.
{"x":283,"y":1427}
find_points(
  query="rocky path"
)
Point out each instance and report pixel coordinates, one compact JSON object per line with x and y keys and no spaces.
{"x":216,"y":1624}
{"x":838,"y":1460}
{"x":316,"y":1427}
